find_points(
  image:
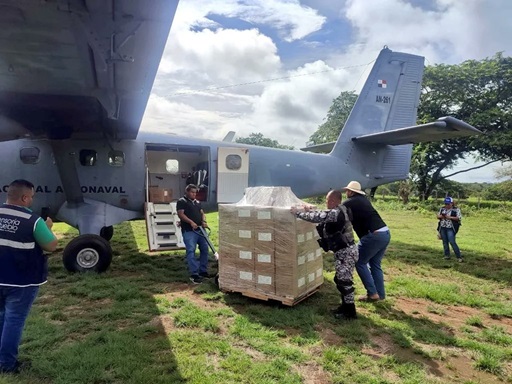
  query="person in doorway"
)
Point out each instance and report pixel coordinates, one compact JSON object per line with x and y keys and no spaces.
{"x":192,"y":217}
{"x":23,"y":266}
{"x":336,"y":235}
{"x":374,"y":238}
{"x":449,"y":218}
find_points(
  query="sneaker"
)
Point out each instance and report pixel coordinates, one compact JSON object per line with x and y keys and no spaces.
{"x":196,"y":279}
{"x":460,"y":260}
{"x":206,"y":275}
{"x":447,"y":257}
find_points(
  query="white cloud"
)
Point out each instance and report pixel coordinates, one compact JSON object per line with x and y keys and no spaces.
{"x":256,"y":44}
{"x":453,"y":32}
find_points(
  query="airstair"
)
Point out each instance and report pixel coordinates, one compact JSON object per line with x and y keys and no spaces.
{"x":162,"y":223}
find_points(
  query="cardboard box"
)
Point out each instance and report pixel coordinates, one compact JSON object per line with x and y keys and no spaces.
{"x":286,"y":261}
{"x":160,"y":195}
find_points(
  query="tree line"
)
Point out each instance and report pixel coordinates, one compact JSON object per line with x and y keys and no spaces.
{"x":477,"y":92}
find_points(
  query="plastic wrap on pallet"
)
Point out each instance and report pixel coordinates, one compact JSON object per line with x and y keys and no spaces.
{"x":265,"y":250}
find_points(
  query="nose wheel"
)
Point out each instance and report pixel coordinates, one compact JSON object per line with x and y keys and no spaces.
{"x":87,"y":253}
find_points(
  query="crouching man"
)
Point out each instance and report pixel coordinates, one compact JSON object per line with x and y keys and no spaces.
{"x":336,"y":235}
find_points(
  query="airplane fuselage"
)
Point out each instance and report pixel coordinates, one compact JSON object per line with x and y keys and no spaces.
{"x":124,"y":186}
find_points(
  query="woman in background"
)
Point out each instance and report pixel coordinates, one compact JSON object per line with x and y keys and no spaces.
{"x":449,"y":221}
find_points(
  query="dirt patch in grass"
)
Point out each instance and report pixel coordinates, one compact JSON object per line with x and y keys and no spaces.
{"x":457,"y":366}
{"x":188,"y":292}
{"x":453,"y":316}
{"x":329,"y":337}
{"x":313,"y":373}
{"x":455,"y":369}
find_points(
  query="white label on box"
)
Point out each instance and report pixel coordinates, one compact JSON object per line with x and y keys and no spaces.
{"x":301,"y":260}
{"x":264,"y":215}
{"x":244,"y":234}
{"x":311,"y":256}
{"x":244,"y":213}
{"x":245,"y":275}
{"x":301,"y":282}
{"x":166,"y":193}
{"x":247,"y":255}
{"x":311,"y":277}
{"x":318,"y":252}
{"x":309,"y":236}
{"x":267,"y":280}
{"x":264,"y":258}
{"x":319,"y":273}
{"x":264,"y":236}
{"x":300,"y":238}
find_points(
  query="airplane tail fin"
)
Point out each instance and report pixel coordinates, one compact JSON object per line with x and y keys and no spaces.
{"x":389,"y":100}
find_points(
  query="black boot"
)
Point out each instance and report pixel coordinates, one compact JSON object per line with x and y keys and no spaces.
{"x":346,"y":312}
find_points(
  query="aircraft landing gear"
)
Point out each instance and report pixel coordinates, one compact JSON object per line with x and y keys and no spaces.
{"x":107,"y":232}
{"x":87,"y":253}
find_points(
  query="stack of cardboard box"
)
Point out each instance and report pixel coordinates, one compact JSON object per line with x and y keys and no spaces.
{"x":160,"y":195}
{"x":266,"y":250}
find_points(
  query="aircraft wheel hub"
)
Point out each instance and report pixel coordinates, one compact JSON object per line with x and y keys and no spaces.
{"x":87,"y":258}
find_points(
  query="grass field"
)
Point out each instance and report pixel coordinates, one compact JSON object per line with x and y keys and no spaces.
{"x":142,"y":322}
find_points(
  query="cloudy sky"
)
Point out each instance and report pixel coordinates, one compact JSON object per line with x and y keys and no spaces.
{"x":274,"y":66}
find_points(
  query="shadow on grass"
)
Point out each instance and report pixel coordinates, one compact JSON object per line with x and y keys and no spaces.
{"x":103,"y":328}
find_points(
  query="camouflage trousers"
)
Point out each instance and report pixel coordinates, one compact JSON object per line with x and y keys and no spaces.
{"x":344,"y":263}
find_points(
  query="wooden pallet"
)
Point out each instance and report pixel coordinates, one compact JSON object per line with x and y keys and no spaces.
{"x":288,"y":301}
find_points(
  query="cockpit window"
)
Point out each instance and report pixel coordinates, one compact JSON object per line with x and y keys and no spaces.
{"x":116,"y":158}
{"x":233,"y":162}
{"x":30,"y":155}
{"x":88,"y":157}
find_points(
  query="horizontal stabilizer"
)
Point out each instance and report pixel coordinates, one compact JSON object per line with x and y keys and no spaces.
{"x":442,"y":129}
{"x":320,"y":148}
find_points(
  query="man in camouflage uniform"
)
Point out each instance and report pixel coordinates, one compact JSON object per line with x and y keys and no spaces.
{"x":335,"y":230}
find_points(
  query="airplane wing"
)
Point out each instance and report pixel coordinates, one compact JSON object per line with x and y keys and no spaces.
{"x":79,"y":68}
{"x":443,"y":128}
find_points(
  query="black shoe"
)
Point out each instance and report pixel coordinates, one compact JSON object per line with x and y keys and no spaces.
{"x":338,"y":310}
{"x":344,"y":316}
{"x":346,"y":312}
{"x":196,"y":279}
{"x":206,"y":275}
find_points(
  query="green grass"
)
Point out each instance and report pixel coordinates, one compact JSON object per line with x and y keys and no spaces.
{"x":141,"y":322}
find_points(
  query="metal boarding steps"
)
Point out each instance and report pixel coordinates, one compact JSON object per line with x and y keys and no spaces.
{"x":162,"y":225}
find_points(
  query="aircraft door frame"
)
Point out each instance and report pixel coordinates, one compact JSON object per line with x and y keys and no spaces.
{"x":232,"y":173}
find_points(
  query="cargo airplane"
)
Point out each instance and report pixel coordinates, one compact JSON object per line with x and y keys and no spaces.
{"x":76,"y":77}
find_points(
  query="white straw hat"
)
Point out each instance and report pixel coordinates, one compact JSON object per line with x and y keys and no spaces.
{"x":354,"y":186}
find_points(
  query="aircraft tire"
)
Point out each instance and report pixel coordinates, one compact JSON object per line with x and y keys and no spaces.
{"x":87,"y":253}
{"x":107,"y":232}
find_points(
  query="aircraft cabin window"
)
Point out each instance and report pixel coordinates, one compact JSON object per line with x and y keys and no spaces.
{"x":88,"y":157}
{"x":29,"y":155}
{"x":116,"y":158}
{"x":172,"y":166}
{"x":233,"y":162}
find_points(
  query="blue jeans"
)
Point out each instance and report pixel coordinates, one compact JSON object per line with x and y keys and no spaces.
{"x":15,"y":304}
{"x":448,"y":236}
{"x":192,"y":239}
{"x":372,"y":248}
